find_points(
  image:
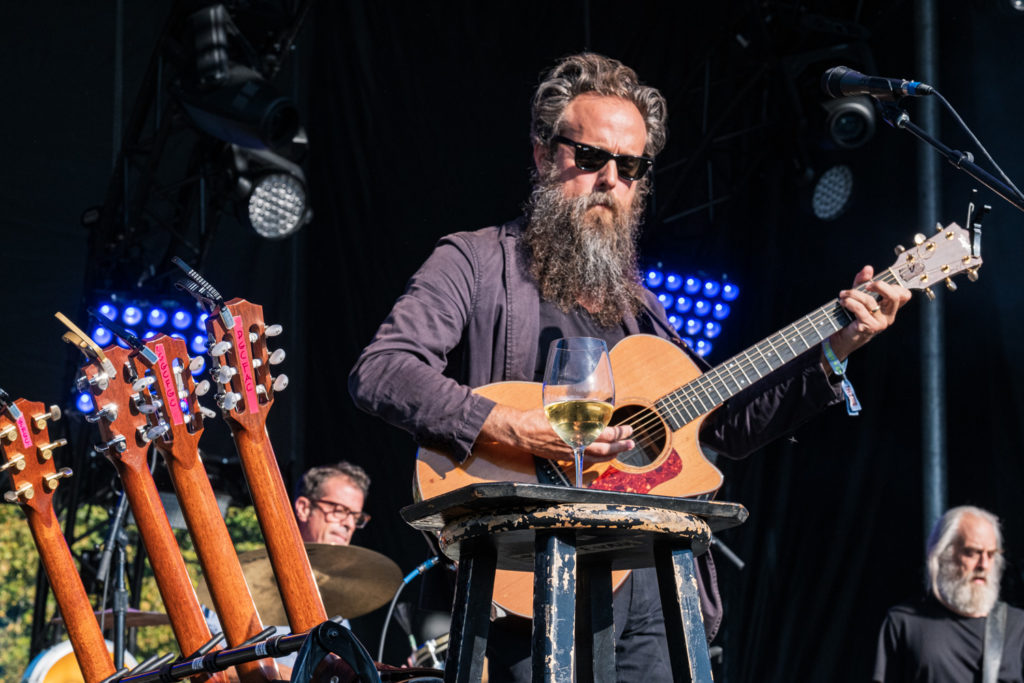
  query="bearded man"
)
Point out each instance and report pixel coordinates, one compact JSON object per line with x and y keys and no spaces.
{"x":948,"y":635}
{"x":496,"y":297}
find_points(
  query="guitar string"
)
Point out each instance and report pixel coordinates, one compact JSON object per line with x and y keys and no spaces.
{"x":647,"y":430}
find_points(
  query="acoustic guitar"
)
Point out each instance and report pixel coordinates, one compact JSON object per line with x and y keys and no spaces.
{"x":662,"y":393}
{"x":241,"y":371}
{"x":27,"y":456}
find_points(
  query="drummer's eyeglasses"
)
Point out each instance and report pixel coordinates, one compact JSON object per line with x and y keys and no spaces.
{"x":589,"y":158}
{"x":336,"y":512}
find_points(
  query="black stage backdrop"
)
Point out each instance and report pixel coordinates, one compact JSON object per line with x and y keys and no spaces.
{"x":418,"y":120}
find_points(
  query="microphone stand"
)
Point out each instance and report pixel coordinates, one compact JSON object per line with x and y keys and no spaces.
{"x":115,"y":547}
{"x":899,"y":118}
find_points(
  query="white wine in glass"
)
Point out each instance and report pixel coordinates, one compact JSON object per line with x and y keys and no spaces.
{"x":579,"y":393}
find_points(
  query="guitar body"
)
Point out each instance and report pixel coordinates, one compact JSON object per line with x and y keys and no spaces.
{"x":664,"y":462}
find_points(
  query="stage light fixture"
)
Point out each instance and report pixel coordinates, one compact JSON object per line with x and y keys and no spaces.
{"x":157,"y":317}
{"x":181,"y":320}
{"x":696,"y":305}
{"x":132,"y":315}
{"x":850,"y":121}
{"x":654,"y":278}
{"x":832,"y":192}
{"x":273,"y":192}
{"x":229,"y":100}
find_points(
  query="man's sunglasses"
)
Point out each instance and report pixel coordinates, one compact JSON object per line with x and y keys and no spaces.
{"x":589,"y":158}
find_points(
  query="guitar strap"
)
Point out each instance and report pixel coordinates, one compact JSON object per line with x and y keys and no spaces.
{"x":992,"y":648}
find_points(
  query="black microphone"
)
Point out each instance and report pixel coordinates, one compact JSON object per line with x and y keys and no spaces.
{"x":842,"y":81}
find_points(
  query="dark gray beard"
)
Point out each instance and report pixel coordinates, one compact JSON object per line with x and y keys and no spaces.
{"x":963,"y":596}
{"x":575,"y":256}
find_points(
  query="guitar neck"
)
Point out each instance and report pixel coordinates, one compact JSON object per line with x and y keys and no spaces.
{"x":299,"y":592}
{"x":232,"y":599}
{"x":183,"y":609}
{"x":714,"y":387}
{"x":83,"y":631}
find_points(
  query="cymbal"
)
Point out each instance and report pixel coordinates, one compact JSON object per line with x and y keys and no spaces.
{"x":132,"y":619}
{"x":353,"y":581}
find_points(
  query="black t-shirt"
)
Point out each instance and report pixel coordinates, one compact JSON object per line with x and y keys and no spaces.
{"x":924,"y":642}
{"x":554,"y":324}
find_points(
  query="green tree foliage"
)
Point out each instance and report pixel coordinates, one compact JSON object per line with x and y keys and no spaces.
{"x":19,"y":563}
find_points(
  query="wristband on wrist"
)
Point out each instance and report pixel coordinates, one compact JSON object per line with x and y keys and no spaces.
{"x":853,"y":406}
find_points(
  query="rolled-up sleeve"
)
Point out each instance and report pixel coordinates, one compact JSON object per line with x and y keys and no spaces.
{"x":399,"y":375}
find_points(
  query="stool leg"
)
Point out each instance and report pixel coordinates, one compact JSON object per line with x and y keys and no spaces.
{"x":554,"y":608}
{"x":677,"y":582}
{"x":595,"y":623}
{"x":471,"y":614}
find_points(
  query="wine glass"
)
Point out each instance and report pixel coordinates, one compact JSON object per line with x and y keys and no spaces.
{"x":578,"y":393}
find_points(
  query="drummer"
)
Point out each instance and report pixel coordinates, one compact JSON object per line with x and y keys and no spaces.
{"x":328,"y":508}
{"x":329,"y":503}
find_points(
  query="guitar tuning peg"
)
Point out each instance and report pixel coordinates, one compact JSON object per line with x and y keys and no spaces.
{"x":9,"y":433}
{"x":141,"y":383}
{"x":17,"y":462}
{"x":46,"y":450}
{"x":938,"y":227}
{"x":229,"y":400}
{"x":929,"y":293}
{"x":972,"y":274}
{"x":919,"y":239}
{"x":253,"y":337}
{"x":150,"y":432}
{"x":220,"y":348}
{"x":280,"y":382}
{"x":25,"y":491}
{"x":52,"y":481}
{"x":53,"y":414}
{"x":119,"y":444}
{"x":223,"y":374}
{"x":899,"y":249}
{"x":107,"y":412}
{"x":273,"y":330}
{"x":277,"y":357}
{"x":195,"y":366}
{"x":99,"y":381}
{"x":261,"y":391}
{"x":150,"y":408}
{"x":950,"y":285}
{"x":203,"y":388}
{"x":207,"y":412}
{"x":82,"y":383}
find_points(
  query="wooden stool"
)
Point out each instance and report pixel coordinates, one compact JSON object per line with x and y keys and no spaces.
{"x":572,"y":539}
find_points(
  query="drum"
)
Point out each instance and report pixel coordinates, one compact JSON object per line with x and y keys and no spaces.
{"x":57,"y":664}
{"x":432,"y":652}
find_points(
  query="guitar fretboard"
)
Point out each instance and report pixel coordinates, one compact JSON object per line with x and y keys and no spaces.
{"x":714,"y":387}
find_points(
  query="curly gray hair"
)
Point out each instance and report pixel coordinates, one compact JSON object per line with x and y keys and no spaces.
{"x":589,"y":72}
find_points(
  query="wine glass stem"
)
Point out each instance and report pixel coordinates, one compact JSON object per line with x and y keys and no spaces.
{"x":577,"y":456}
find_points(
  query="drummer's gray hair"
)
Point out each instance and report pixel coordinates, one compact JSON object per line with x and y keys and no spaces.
{"x":313,"y":479}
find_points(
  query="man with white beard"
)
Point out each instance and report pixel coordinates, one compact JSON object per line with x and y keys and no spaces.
{"x":955,"y":631}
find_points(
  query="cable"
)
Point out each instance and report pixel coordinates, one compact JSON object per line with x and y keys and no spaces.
{"x":429,"y":564}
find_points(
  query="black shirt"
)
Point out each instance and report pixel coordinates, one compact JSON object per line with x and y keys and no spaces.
{"x":924,"y":642}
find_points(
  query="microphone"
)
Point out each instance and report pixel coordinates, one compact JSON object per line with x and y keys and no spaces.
{"x":842,"y":81}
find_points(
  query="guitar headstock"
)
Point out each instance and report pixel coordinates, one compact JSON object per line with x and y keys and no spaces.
{"x":937,"y":259}
{"x":241,"y":362}
{"x":28,"y":452}
{"x":173,"y":395}
{"x":124,"y":412}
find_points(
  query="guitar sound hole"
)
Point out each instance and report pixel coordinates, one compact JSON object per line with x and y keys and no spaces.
{"x":649,"y":434}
